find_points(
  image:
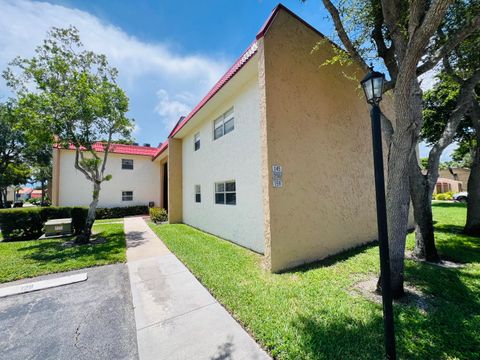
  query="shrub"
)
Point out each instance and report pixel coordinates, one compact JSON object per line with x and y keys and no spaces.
{"x":158,"y":214}
{"x":444,"y":196}
{"x":27,"y":223}
{"x":119,"y":212}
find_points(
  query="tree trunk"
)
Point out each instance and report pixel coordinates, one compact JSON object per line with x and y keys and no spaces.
{"x":472,"y":226}
{"x":421,"y":191}
{"x":408,"y":113}
{"x":397,"y":215}
{"x":3,"y":198}
{"x":42,"y":183}
{"x":84,"y":237}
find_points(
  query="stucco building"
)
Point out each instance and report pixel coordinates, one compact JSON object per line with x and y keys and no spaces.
{"x":254,"y":161}
{"x":135,"y":178}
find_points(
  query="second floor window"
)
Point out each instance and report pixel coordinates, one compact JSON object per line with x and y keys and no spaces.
{"x":196,"y":141}
{"x":224,"y":124}
{"x":127,"y":164}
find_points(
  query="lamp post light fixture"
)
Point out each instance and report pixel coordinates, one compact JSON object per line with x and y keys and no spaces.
{"x":372,"y":85}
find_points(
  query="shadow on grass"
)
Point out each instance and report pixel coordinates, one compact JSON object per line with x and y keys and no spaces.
{"x":332,"y":260}
{"x":462,"y":249}
{"x":52,"y":251}
{"x":449,"y":205}
{"x":448,"y":330}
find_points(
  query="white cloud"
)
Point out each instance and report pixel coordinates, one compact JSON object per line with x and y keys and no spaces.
{"x":184,"y":78}
{"x":171,"y":109}
{"x":429,"y":79}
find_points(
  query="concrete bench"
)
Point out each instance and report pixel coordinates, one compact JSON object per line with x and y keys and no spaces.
{"x":57,"y":227}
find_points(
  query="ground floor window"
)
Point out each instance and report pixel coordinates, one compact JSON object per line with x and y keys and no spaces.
{"x":226,"y":193}
{"x":198,"y":194}
{"x":127,"y":195}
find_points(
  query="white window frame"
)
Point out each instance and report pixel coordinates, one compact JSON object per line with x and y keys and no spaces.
{"x":196,"y":138}
{"x":127,"y":168}
{"x":221,"y":189}
{"x":221,"y":123}
{"x":198,"y":191}
{"x":127,"y":197}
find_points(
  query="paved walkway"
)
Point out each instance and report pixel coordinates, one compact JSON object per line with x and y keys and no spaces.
{"x":176,"y":317}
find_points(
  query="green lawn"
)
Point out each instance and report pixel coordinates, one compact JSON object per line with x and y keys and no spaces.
{"x":314,"y":312}
{"x":22,"y":259}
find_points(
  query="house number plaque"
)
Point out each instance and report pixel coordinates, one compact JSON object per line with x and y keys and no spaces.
{"x":277,"y":173}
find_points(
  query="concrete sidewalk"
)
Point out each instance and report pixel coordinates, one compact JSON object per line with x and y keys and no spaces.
{"x":176,"y":317}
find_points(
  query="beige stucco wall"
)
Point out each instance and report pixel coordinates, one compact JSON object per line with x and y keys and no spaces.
{"x":162,"y":174}
{"x":175,"y":196}
{"x":316,"y":125}
{"x":55,"y":176}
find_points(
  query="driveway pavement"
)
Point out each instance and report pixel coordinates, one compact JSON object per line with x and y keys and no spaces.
{"x":176,"y":317}
{"x":92,"y":319}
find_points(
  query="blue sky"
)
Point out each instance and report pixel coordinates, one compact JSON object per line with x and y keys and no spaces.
{"x":169,"y":53}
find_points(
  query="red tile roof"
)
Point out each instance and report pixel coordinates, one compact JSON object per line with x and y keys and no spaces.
{"x":123,"y":149}
{"x":25,"y":190}
{"x":247,"y":55}
{"x":161,"y":149}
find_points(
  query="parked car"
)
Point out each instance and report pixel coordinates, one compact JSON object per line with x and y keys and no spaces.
{"x":461,"y":196}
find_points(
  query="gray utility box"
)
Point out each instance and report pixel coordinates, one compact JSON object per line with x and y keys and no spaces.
{"x":56,"y":227}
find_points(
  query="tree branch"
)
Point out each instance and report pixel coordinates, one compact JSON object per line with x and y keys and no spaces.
{"x":417,"y":12}
{"x":466,"y":99}
{"x":449,"y":70}
{"x":449,"y":46}
{"x":342,"y":34}
{"x":417,"y":44}
{"x":105,"y":152}
{"x":386,"y":53}
{"x":78,"y":167}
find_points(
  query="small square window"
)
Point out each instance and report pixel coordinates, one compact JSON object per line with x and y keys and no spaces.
{"x":127,"y":195}
{"x":196,"y":141}
{"x":127,"y":164}
{"x":198,"y":194}
{"x":225,"y":193}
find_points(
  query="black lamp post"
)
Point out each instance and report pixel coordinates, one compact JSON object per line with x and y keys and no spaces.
{"x":372,"y":85}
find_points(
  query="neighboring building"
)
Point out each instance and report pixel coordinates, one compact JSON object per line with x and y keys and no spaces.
{"x":458,"y":174}
{"x":25,"y":193}
{"x":135,"y":178}
{"x":445,"y":185}
{"x":277,"y":157}
{"x":36,"y":194}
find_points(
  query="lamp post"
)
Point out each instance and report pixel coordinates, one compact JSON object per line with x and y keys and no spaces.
{"x":372,"y":85}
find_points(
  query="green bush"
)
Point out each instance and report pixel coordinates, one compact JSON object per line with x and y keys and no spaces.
{"x":27,"y":223}
{"x":119,"y":212}
{"x":444,"y":196}
{"x":158,"y":214}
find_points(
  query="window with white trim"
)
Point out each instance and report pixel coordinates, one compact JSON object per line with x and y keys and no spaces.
{"x":127,"y":164}
{"x":225,"y":193}
{"x":223,"y":124}
{"x":127,"y":195}
{"x":198,"y":194}
{"x":196,"y":141}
